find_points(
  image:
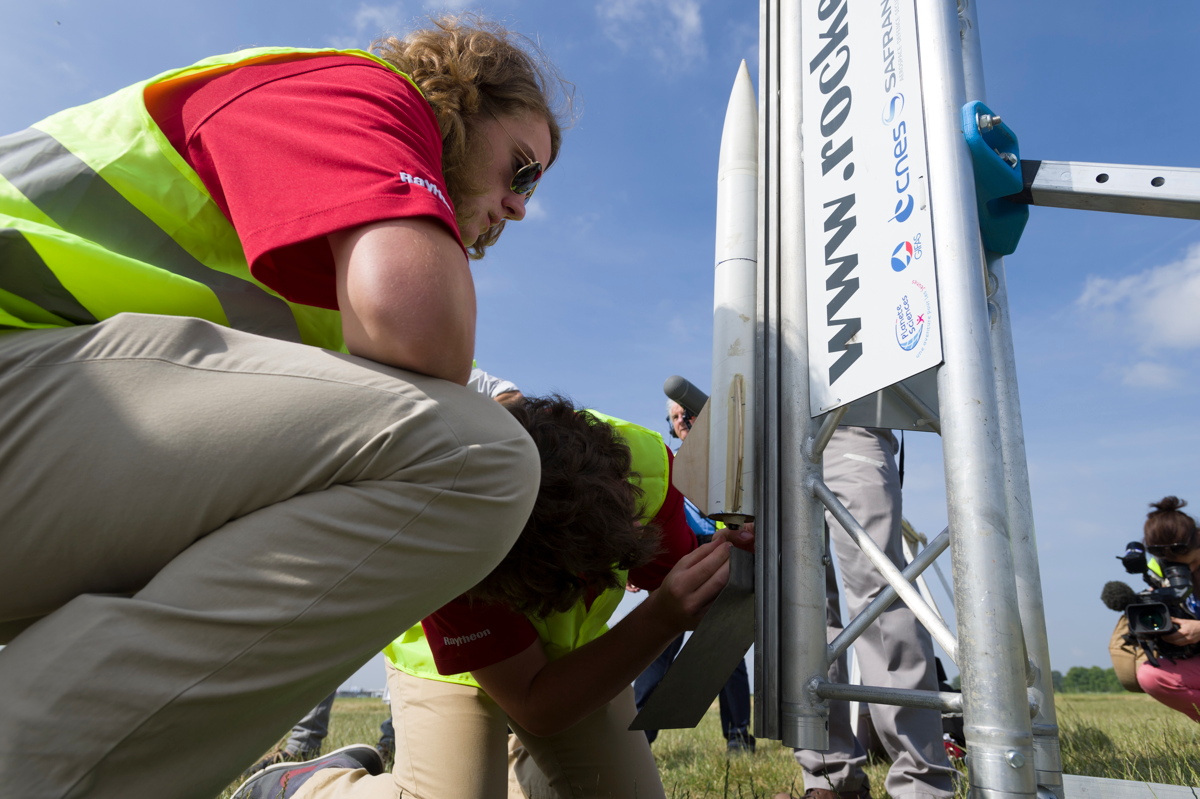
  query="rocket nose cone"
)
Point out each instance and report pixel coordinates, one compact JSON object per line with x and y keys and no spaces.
{"x":739,"y":136}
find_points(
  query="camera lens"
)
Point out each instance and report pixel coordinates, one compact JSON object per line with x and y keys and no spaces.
{"x":1150,"y":618}
{"x":1154,"y":620}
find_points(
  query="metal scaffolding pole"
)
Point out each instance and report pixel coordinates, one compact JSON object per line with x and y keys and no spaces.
{"x":766,"y":561}
{"x":1047,"y":757}
{"x":803,"y":716}
{"x":991,"y":641}
{"x":828,"y":293}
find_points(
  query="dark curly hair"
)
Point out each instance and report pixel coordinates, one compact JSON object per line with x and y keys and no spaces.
{"x":585,"y":522}
{"x":1167,"y":524}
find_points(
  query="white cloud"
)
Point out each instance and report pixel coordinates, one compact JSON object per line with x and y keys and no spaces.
{"x":1158,"y":308}
{"x":368,"y":23}
{"x":1151,"y":375}
{"x":535,"y":211}
{"x":670,"y":31}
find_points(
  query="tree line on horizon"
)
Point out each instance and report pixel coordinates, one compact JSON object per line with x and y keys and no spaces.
{"x":1077,"y":680}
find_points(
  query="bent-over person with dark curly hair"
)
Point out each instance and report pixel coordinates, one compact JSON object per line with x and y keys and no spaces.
{"x":528,"y":649}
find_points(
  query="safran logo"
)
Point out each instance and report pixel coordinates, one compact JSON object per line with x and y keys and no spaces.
{"x":902,"y":256}
{"x":427,"y":185}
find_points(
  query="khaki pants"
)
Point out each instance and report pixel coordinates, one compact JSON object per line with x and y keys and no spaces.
{"x":203,"y":532}
{"x":452,"y":742}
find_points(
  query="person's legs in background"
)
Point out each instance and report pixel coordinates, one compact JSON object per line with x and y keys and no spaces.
{"x":649,"y":679}
{"x":387,"y":742}
{"x":734,"y":704}
{"x":895,"y":651}
{"x":305,"y":739}
{"x":309,"y":733}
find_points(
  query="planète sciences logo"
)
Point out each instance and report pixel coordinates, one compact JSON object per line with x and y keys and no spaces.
{"x":914,"y":315}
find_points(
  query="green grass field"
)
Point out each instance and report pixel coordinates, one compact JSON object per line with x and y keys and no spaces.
{"x":1119,"y":736}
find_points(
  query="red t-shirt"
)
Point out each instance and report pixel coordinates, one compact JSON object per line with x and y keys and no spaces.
{"x":465,"y":636}
{"x":296,"y":150}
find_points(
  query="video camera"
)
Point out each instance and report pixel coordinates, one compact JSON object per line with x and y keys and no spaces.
{"x":1149,"y":613}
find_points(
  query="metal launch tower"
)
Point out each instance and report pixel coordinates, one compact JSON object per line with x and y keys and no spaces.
{"x":864,"y":284}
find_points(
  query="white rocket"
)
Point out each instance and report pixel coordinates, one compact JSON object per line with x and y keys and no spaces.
{"x":715,"y":465}
{"x":730,"y":409}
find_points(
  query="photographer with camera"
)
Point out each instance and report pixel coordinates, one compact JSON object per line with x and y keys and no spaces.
{"x":1173,"y":677}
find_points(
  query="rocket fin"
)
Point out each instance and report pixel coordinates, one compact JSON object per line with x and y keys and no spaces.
{"x":710,"y":655}
{"x":690,"y":471}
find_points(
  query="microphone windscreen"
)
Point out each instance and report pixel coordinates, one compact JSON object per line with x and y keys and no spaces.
{"x":681,"y":390}
{"x":1118,"y":596}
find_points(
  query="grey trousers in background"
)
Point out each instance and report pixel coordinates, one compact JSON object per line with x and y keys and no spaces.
{"x":310,"y":732}
{"x":204,"y":532}
{"x":895,"y":651}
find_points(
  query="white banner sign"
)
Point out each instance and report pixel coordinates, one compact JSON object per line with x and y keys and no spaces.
{"x":872,"y":287}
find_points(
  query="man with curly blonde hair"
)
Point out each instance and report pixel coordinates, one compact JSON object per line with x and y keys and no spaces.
{"x":236,"y":317}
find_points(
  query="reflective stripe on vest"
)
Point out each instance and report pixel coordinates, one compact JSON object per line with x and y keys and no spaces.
{"x":100,"y":215}
{"x":563,"y":632}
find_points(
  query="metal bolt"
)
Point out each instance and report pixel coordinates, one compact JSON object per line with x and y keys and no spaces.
{"x":1010,"y":159}
{"x":1014,"y":758}
{"x":987,"y":121}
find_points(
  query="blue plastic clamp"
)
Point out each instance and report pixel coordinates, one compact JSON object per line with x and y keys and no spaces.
{"x":997,"y":160}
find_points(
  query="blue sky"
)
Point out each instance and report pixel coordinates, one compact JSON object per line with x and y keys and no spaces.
{"x":605,"y":289}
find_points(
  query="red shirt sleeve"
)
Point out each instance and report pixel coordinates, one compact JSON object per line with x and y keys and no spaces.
{"x":677,"y":537}
{"x":296,"y":150}
{"x":464,"y":636}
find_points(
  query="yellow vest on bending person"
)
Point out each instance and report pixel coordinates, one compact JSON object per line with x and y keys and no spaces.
{"x":563,"y":632}
{"x":100,"y":215}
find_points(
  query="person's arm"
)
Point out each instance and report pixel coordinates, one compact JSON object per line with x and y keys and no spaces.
{"x":546,"y":697}
{"x":329,"y":168}
{"x":406,"y":296}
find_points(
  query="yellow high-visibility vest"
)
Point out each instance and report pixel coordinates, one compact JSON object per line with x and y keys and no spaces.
{"x":100,"y":215}
{"x":563,"y":632}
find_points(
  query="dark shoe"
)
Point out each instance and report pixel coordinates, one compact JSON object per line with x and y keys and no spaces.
{"x":281,"y":756}
{"x":282,"y":780}
{"x":741,"y":743}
